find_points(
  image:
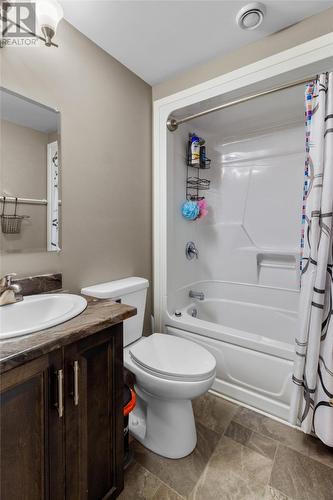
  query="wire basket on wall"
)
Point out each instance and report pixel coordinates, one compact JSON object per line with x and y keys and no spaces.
{"x":196,"y":184}
{"x":11,"y":224}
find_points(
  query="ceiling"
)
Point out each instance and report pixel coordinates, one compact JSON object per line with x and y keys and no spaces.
{"x":26,"y":113}
{"x":158,"y":39}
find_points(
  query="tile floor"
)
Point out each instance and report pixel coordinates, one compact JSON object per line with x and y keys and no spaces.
{"x":240,"y":455}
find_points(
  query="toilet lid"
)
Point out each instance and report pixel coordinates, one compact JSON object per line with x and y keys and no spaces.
{"x":168,"y":356}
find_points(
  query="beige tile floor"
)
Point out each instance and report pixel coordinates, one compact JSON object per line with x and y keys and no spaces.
{"x":240,"y":455}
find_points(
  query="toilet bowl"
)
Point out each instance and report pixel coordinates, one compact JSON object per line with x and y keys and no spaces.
{"x":170,"y":371}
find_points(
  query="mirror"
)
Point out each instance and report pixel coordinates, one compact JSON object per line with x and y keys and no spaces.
{"x":30,"y":193}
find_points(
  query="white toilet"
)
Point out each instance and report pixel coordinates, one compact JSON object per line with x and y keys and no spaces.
{"x":170,"y":372}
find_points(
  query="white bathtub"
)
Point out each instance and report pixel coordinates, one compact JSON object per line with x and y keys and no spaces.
{"x":250,"y":330}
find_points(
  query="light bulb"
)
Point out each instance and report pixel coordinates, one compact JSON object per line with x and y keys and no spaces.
{"x":49,"y":13}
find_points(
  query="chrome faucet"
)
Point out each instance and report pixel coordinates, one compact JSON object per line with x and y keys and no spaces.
{"x":196,"y":295}
{"x":191,"y":250}
{"x":9,"y":292}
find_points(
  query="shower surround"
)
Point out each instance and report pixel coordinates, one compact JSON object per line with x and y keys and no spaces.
{"x":249,"y":250}
{"x":251,"y":238}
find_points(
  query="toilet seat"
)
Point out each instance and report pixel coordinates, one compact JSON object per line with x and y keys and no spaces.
{"x":173,"y":358}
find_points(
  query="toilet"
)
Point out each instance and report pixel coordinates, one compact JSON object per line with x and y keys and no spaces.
{"x":170,"y":371}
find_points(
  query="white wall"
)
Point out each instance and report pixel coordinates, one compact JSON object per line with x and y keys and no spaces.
{"x":180,"y":231}
{"x":252,"y":232}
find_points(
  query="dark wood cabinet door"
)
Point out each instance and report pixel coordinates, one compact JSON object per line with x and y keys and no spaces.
{"x":56,"y":426}
{"x":25,"y":411}
{"x":93,"y":416}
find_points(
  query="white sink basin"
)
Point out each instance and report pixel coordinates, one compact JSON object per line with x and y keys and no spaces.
{"x":37,"y":312}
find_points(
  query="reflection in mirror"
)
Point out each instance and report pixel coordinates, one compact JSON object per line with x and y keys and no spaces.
{"x":30,"y":196}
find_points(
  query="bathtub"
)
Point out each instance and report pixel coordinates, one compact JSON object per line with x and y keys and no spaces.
{"x":250,"y":330}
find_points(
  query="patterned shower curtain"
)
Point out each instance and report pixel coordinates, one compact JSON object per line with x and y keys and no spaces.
{"x":53,"y":197}
{"x":313,"y":370}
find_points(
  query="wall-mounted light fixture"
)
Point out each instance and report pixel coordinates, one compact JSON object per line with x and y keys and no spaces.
{"x":44,"y":14}
{"x":49,"y":13}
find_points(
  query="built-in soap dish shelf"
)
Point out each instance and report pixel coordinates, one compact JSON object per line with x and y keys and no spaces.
{"x":278,"y":269}
{"x":276,"y":260}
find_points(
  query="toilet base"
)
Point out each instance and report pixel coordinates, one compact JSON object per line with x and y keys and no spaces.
{"x":166,"y":427}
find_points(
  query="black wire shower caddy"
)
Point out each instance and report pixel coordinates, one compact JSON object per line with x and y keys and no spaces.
{"x":195,"y":184}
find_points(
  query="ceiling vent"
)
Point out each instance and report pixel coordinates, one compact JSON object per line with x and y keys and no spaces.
{"x":251,"y":16}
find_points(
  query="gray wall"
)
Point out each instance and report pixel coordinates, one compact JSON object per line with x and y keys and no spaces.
{"x":304,"y":31}
{"x":106,"y":158}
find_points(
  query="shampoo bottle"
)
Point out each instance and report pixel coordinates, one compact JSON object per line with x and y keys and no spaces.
{"x":195,"y":150}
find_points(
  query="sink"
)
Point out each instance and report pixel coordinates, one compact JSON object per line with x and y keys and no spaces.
{"x":37,"y":312}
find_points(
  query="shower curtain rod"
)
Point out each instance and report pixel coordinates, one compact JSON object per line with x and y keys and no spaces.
{"x":173,"y":123}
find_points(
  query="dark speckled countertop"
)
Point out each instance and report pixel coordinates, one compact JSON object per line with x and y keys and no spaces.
{"x":98,"y":315}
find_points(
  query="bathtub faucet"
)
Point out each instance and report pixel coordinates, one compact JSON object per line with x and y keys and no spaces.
{"x":196,"y":295}
{"x":191,"y":250}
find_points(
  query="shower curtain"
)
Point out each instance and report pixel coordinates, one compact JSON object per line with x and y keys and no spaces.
{"x":312,"y":399}
{"x":52,"y":197}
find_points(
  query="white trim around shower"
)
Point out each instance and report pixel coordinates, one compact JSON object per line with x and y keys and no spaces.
{"x":299,"y":62}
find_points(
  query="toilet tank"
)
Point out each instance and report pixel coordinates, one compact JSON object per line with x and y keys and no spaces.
{"x":131,"y":291}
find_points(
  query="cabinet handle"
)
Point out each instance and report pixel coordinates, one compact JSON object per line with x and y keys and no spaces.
{"x":76,"y":369}
{"x":60,"y":404}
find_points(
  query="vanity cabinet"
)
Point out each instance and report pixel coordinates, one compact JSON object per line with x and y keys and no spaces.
{"x":62,"y":422}
{"x":25,"y":408}
{"x":93,"y":417}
